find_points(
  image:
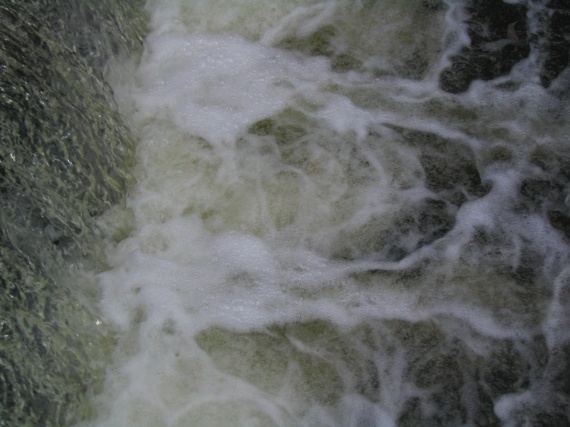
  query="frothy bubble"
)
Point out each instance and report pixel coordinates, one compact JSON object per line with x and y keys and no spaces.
{"x":319,"y":239}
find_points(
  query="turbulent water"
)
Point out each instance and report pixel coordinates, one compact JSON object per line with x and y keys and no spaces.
{"x":346,"y":213}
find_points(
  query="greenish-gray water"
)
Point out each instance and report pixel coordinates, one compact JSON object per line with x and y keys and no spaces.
{"x":64,"y":160}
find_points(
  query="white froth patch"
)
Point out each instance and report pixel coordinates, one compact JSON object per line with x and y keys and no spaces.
{"x":177,"y":271}
{"x":198,"y":83}
{"x":175,"y":279}
{"x":232,"y":230}
{"x":215,"y":86}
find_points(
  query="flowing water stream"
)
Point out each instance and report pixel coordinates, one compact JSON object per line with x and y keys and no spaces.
{"x":327,"y":229}
{"x":320,"y":235}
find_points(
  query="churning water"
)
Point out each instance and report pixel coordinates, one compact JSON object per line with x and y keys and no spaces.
{"x":319,"y":235}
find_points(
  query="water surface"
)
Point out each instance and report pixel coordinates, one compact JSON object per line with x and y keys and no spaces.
{"x":320,"y":235}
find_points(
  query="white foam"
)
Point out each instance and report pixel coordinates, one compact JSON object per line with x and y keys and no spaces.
{"x":197,"y":82}
{"x":245,"y":232}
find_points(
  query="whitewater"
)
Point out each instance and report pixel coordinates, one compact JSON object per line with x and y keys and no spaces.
{"x":319,"y":235}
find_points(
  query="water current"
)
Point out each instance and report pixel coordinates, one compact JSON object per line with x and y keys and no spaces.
{"x":320,"y":235}
{"x":344,"y":213}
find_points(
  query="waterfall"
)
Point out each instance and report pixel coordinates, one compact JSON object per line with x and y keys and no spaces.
{"x":304,"y":213}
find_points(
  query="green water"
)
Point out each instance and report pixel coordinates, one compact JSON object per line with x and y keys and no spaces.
{"x":64,"y":159}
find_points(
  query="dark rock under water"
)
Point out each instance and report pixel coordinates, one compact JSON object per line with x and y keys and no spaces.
{"x":500,"y":37}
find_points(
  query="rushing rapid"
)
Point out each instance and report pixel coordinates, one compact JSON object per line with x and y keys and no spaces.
{"x":321,"y":235}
